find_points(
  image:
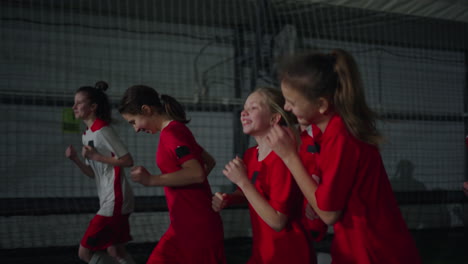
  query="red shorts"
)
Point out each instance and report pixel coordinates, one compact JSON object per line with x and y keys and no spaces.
{"x":167,"y":251}
{"x":105,"y":231}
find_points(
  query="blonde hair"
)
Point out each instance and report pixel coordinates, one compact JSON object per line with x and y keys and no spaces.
{"x":275,"y":101}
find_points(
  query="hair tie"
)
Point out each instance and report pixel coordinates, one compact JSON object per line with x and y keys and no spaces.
{"x":101,"y":86}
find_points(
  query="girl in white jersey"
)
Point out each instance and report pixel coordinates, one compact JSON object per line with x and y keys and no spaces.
{"x":104,"y":155}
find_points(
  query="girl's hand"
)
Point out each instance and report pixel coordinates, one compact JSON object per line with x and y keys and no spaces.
{"x":70,"y":152}
{"x":281,"y":140}
{"x":310,"y":213}
{"x":219,"y":201}
{"x":236,"y":172}
{"x":140,"y":174}
{"x":89,"y":152}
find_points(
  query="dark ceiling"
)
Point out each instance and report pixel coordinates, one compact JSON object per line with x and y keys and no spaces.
{"x":311,"y":20}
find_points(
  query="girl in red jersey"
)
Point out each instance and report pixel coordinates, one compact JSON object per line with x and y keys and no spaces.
{"x":195,"y":234}
{"x":354,"y":194}
{"x":275,"y":201}
{"x":105,"y":155}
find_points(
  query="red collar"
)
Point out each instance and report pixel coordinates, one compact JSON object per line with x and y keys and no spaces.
{"x":98,"y":124}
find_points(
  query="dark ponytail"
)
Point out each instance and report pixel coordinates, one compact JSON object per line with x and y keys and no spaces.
{"x":174,"y":109}
{"x":350,"y":100}
{"x":138,"y":95}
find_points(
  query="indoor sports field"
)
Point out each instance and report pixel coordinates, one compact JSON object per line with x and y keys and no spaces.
{"x":210,"y":54}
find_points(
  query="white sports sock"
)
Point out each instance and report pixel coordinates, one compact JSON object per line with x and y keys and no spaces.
{"x":127,"y":260}
{"x":102,"y":258}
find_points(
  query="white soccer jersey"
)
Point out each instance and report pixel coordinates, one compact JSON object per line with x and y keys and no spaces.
{"x":115,"y":194}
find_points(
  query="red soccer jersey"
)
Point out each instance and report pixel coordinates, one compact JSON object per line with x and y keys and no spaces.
{"x":308,"y":152}
{"x":354,"y":180}
{"x":273,"y":181}
{"x":193,"y":220}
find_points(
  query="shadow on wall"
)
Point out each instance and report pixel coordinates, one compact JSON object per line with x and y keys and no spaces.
{"x":418,"y":216}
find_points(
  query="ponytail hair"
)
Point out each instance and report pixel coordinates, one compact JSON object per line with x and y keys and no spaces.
{"x":174,"y":109}
{"x":96,"y":95}
{"x":138,"y":95}
{"x":336,"y":77}
{"x":350,"y":100}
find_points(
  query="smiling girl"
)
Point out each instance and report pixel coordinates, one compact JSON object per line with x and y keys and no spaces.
{"x":354,"y":193}
{"x":195,"y":234}
{"x":274,"y":199}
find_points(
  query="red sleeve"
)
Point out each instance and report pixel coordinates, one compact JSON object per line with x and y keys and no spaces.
{"x":338,"y":165}
{"x":181,"y":143}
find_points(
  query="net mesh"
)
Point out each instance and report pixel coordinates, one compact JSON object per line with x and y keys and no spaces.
{"x":209,"y":55}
